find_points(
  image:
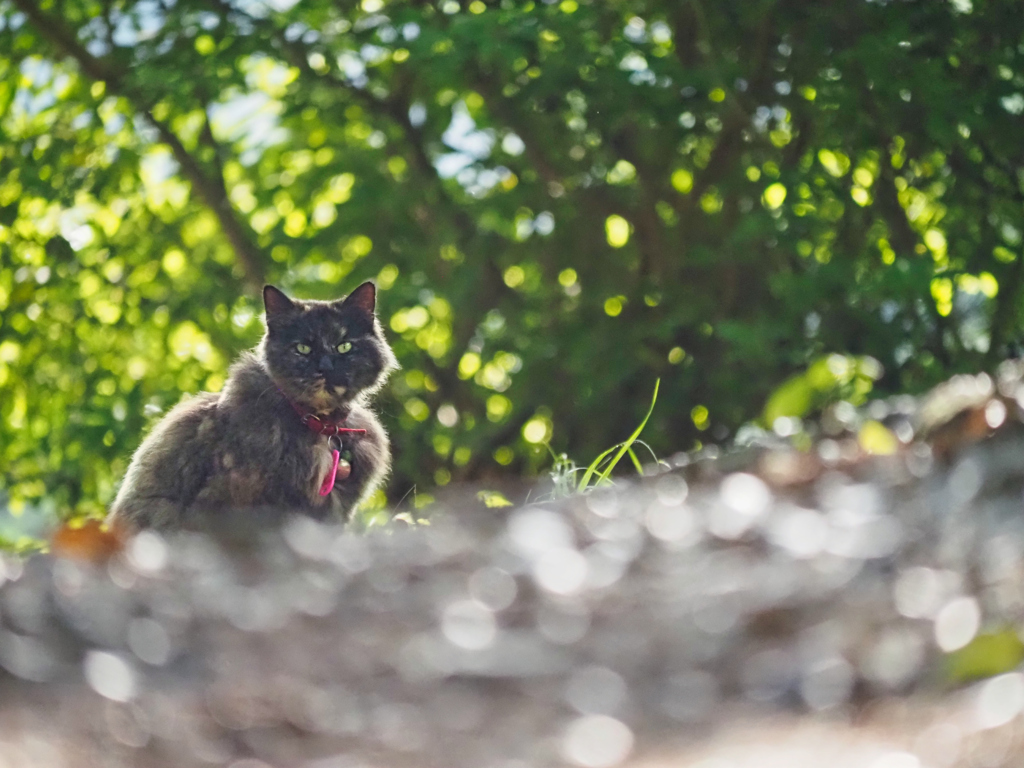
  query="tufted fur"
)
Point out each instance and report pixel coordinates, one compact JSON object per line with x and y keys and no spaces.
{"x":245,"y":448}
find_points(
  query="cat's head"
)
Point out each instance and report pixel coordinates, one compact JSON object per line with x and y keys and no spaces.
{"x":325,"y":354}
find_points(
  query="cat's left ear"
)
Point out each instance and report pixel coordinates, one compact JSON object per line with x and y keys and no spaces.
{"x":363,"y":298}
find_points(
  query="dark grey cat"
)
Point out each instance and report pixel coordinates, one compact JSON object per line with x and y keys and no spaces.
{"x":290,"y":431}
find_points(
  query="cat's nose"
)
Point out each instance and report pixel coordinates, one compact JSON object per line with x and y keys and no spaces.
{"x":325,"y":364}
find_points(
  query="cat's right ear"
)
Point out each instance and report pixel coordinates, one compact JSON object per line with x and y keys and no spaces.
{"x":276,"y":302}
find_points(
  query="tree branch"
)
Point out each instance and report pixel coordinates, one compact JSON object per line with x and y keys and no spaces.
{"x":210,"y":187}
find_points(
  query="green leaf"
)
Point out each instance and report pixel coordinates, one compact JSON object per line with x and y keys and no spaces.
{"x":988,"y":654}
{"x":492,"y":499}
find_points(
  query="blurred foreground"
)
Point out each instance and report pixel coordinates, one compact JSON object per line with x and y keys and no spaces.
{"x":770,"y":608}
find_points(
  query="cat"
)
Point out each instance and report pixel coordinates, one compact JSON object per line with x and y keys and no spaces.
{"x":290,"y":431}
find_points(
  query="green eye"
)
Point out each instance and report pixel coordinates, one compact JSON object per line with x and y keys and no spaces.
{"x":303,"y":349}
{"x":345,"y":346}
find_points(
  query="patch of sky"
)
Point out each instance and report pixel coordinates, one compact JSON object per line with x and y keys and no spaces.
{"x":487,"y":178}
{"x":512,"y":145}
{"x":369,"y":22}
{"x":156,"y":167}
{"x":373,"y":54}
{"x":469,"y":143}
{"x":294,"y":31}
{"x":145,"y":130}
{"x":208,"y":20}
{"x":661,"y":32}
{"x":903,"y":352}
{"x":254,"y":8}
{"x":245,"y":24}
{"x":761,"y":117}
{"x":250,"y":119}
{"x":125,"y":34}
{"x":113,"y":124}
{"x":81,"y":120}
{"x":165,"y":45}
{"x":479,"y":182}
{"x":493,"y":323}
{"x":974,"y":324}
{"x":636,"y":64}
{"x":465,"y":175}
{"x":257,"y":9}
{"x":74,"y":229}
{"x":37,"y":91}
{"x":633,"y":62}
{"x":544,"y":224}
{"x":411,"y":30}
{"x":417,"y":114}
{"x":36,"y":71}
{"x":281,"y":5}
{"x":353,"y":67}
{"x":387,"y":34}
{"x":93,"y":35}
{"x":1013,"y":104}
{"x":143,"y":23}
{"x":635,"y":30}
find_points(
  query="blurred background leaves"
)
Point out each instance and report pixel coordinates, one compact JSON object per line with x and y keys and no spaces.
{"x":560,"y":202}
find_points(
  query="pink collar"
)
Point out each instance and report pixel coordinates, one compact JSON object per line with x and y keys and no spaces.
{"x":320,"y":425}
{"x":332,"y":429}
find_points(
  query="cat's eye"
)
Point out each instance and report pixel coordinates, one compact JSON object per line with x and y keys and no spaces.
{"x":303,"y":349}
{"x":345,"y":346}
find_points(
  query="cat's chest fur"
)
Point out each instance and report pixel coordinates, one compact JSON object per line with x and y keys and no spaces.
{"x":320,"y":461}
{"x":277,"y":461}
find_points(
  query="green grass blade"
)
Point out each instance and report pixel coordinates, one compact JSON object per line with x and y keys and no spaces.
{"x":632,"y":438}
{"x":636,"y":462}
{"x":592,"y":469}
{"x":650,"y":450}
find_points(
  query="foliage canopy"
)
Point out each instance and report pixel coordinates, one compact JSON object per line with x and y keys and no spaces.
{"x":561,"y":202}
